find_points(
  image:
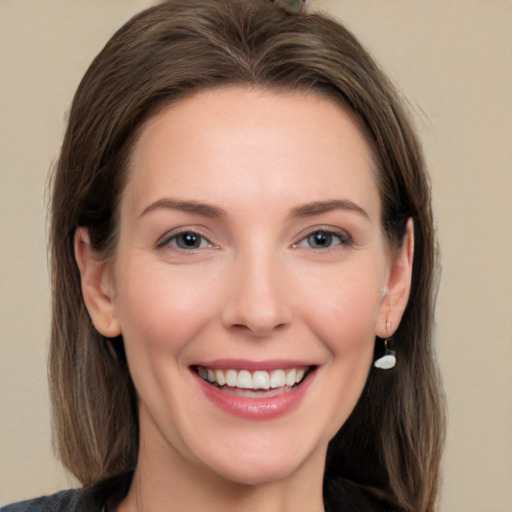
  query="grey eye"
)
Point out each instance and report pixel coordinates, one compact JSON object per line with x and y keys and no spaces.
{"x":189,"y":240}
{"x":322,"y":239}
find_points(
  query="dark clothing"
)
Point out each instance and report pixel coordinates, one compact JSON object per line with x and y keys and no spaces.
{"x":88,"y":499}
{"x":343,"y":497}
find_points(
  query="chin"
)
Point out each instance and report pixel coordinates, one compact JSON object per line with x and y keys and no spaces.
{"x":264,"y":462}
{"x":252,"y":473}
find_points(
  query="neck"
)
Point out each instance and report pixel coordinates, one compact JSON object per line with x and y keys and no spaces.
{"x":176,"y":484}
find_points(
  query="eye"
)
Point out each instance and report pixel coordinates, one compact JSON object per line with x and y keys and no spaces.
{"x":187,"y":240}
{"x":324,"y":239}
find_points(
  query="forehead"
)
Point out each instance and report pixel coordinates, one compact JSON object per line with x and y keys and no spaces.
{"x":248,"y":141}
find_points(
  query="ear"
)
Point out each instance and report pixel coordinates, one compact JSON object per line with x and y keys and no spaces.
{"x":398,"y":287}
{"x":97,"y":286}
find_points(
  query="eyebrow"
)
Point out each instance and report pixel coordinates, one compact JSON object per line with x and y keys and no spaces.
{"x":319,"y":207}
{"x":194,"y":207}
{"x":214,"y":212}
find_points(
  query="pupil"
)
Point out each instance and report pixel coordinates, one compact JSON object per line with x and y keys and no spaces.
{"x":321,"y":239}
{"x":189,"y":239}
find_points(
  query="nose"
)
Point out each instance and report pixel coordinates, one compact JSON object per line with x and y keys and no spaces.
{"x":258,"y":297}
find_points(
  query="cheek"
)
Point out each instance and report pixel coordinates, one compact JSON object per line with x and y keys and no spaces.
{"x":343,"y":313}
{"x":161,"y":308}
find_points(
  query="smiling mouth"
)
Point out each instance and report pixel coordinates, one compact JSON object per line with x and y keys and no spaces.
{"x":257,"y":383}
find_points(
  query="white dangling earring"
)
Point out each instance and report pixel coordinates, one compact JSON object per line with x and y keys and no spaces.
{"x":388,"y":360}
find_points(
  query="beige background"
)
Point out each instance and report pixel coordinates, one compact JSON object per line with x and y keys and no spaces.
{"x":451,"y":58}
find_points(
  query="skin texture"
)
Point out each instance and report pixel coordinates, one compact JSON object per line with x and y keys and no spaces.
{"x":255,"y":289}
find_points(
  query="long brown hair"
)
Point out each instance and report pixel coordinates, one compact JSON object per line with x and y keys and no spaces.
{"x":391,"y":444}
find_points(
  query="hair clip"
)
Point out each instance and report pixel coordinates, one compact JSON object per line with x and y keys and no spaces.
{"x":291,"y":6}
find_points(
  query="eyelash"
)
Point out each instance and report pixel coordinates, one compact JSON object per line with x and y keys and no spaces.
{"x":344,"y":240}
{"x":168,"y":239}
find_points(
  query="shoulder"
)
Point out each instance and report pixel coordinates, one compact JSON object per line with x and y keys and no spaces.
{"x":87,"y":499}
{"x":341,"y":494}
{"x":61,"y":501}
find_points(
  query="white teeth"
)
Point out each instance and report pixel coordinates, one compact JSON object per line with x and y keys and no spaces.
{"x":290,"y":378}
{"x":244,"y":380}
{"x":277,"y":379}
{"x":231,"y":378}
{"x":260,"y":379}
{"x":220,"y":377}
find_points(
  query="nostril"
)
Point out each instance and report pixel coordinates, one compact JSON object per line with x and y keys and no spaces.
{"x":258,"y":331}
{"x":254,"y":308}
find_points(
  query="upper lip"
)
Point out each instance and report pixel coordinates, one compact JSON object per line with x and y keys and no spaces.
{"x":253,"y":365}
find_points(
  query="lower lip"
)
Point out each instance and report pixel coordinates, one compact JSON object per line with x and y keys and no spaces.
{"x":264,"y":408}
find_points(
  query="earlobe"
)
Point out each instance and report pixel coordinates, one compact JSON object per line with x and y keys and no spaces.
{"x":97,"y":286}
{"x":398,"y":286}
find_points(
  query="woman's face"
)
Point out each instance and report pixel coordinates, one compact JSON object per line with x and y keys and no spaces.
{"x":250,"y":251}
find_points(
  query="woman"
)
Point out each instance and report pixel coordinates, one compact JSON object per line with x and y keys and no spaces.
{"x":243,"y":273}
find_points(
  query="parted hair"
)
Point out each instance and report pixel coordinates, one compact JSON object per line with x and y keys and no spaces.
{"x":391,"y":444}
